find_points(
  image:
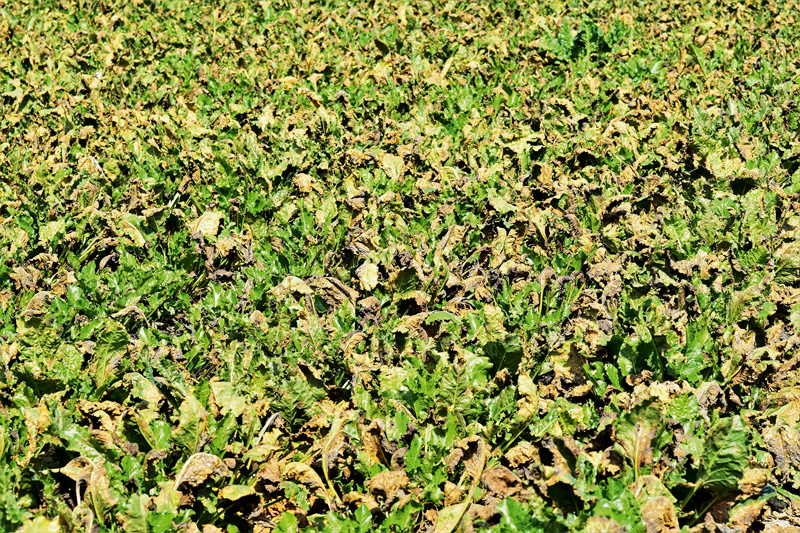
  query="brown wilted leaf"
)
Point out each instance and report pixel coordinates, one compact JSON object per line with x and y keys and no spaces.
{"x":349,"y":343}
{"x":5,"y":298}
{"x":376,"y":444}
{"x":200,"y":467}
{"x":783,"y":442}
{"x":501,"y":482}
{"x":387,"y":484}
{"x":26,"y":277}
{"x":568,"y":368}
{"x":334,"y":292}
{"x":658,"y":515}
{"x":522,"y":453}
{"x":780,"y":525}
{"x":303,"y":474}
{"x":745,"y":515}
{"x":753,"y":480}
{"x":453,"y":494}
{"x":357,"y":499}
{"x":38,"y":304}
{"x":709,"y":394}
{"x":470,"y":451}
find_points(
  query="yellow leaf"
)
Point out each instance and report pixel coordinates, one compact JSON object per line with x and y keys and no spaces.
{"x":36,"y":421}
{"x":143,"y":388}
{"x":528,"y":404}
{"x":207,"y":223}
{"x":98,"y":493}
{"x":235,"y":492}
{"x":368,"y":276}
{"x":79,"y":469}
{"x":290,"y":285}
{"x":393,"y":166}
{"x":723,"y":167}
{"x":131,"y":231}
{"x":40,"y":524}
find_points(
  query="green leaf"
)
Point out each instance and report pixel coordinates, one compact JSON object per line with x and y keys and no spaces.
{"x":697,"y":340}
{"x":192,"y":424}
{"x":68,"y":362}
{"x":134,"y":519}
{"x":725,"y":455}
{"x":108,"y":352}
{"x":724,"y":458}
{"x":440,"y":315}
{"x":287,"y":524}
{"x":517,"y":517}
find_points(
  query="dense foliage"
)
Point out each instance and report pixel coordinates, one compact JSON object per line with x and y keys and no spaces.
{"x":399,"y":266}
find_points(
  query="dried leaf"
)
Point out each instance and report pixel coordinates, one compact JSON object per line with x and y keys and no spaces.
{"x":783,"y":442}
{"x":659,"y":516}
{"x":501,"y":482}
{"x":305,"y":475}
{"x":522,"y":453}
{"x":200,"y":467}
{"x":387,"y":484}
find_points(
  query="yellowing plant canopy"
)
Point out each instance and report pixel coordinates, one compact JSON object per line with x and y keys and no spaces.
{"x":421,"y":266}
